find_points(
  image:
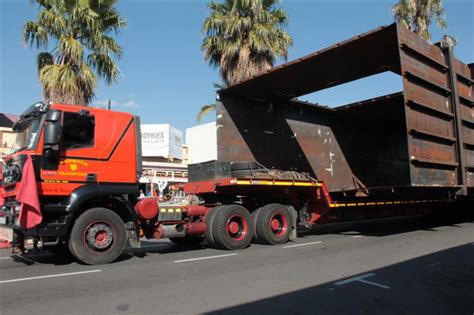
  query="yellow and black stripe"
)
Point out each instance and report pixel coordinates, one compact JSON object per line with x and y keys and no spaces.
{"x":380,"y":203}
{"x":267,"y":182}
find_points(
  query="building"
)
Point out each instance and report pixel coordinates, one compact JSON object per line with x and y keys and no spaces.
{"x":201,"y":143}
{"x":7,"y":136}
{"x":164,"y":162}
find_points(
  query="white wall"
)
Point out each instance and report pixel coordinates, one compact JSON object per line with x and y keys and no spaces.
{"x":161,"y":140}
{"x":202,"y":143}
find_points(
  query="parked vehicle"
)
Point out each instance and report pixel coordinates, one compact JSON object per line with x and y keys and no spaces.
{"x":72,"y":178}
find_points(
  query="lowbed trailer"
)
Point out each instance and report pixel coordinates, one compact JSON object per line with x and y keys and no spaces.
{"x":72,"y":180}
{"x":277,"y":207}
{"x":401,"y":154}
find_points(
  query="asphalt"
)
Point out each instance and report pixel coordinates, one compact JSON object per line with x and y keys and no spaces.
{"x":406,"y":267}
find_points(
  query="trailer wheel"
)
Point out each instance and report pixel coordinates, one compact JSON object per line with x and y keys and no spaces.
{"x":188,"y":240}
{"x":273,"y":224}
{"x":232,"y":227}
{"x":254,"y":216}
{"x":97,"y":237}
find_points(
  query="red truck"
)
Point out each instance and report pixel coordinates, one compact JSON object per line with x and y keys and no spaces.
{"x":72,"y":178}
{"x":72,"y":181}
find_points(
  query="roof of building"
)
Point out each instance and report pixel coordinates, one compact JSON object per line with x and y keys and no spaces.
{"x":7,"y":120}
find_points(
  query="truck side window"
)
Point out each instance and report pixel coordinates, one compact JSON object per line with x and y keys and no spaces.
{"x":78,"y":130}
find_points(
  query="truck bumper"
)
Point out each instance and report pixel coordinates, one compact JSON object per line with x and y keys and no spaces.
{"x":8,"y":219}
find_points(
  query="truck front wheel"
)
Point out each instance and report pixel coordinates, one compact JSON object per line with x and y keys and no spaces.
{"x":97,"y":237}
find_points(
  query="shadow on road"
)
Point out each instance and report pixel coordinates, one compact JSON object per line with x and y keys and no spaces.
{"x":438,"y":283}
{"x":392,"y":226}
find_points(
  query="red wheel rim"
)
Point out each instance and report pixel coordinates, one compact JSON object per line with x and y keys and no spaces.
{"x":236,"y":227}
{"x":99,"y":236}
{"x":278,"y":224}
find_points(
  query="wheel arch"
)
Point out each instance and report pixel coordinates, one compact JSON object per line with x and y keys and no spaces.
{"x":104,"y":196}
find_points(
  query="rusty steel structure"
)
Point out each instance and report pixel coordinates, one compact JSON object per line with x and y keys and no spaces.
{"x":419,"y":141}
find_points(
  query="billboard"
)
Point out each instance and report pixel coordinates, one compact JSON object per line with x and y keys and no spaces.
{"x":162,"y":140}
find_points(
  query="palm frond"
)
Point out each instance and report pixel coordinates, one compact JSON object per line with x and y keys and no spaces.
{"x":417,"y":15}
{"x":83,"y":48}
{"x":244,"y":37}
{"x":205,"y":110}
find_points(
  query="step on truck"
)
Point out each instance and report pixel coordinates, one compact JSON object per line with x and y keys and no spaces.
{"x":72,"y":179}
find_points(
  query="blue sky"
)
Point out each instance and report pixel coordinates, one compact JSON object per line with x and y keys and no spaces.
{"x":165,"y":78}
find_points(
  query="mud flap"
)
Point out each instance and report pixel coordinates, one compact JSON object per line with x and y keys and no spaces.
{"x":132,"y":234}
{"x":294,"y":216}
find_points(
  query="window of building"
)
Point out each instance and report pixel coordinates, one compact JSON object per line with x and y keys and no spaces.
{"x":78,"y":130}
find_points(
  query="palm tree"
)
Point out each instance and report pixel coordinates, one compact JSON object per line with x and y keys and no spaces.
{"x":243,"y":38}
{"x":208,"y":108}
{"x":417,"y":15}
{"x":83,"y":47}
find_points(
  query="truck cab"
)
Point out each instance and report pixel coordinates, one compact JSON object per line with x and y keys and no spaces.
{"x":81,"y":158}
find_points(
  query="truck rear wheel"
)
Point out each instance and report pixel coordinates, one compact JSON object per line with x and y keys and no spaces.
{"x":273,"y":224}
{"x":232,"y":227}
{"x":209,"y":218}
{"x":97,"y":237}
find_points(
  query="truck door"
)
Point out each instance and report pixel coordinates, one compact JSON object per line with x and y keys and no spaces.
{"x":78,"y":164}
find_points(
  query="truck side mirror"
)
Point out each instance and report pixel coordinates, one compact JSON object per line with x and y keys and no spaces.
{"x":51,"y":140}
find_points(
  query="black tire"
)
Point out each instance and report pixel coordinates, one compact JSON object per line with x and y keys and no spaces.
{"x":254,"y":216}
{"x":232,"y":227}
{"x":244,"y":166}
{"x":209,"y":218}
{"x":279,"y":233}
{"x":188,"y":240}
{"x":245,"y":169}
{"x":84,"y":249}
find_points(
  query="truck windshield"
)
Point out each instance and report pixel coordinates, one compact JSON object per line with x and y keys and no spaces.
{"x":27,"y":134}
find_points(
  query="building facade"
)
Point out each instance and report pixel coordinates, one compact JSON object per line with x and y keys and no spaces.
{"x":7,"y":136}
{"x":164,"y":160}
{"x":201,"y":143}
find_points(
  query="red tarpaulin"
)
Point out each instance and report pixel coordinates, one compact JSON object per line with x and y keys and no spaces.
{"x":30,"y":211}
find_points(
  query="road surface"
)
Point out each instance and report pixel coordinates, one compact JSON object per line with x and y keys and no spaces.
{"x":408,"y":267}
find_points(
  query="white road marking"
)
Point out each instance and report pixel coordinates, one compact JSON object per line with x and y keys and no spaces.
{"x":357,"y":236}
{"x":50,"y":276}
{"x":361,"y":278}
{"x":375,"y":284}
{"x":304,"y":244}
{"x":203,"y":258}
{"x":9,"y":257}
